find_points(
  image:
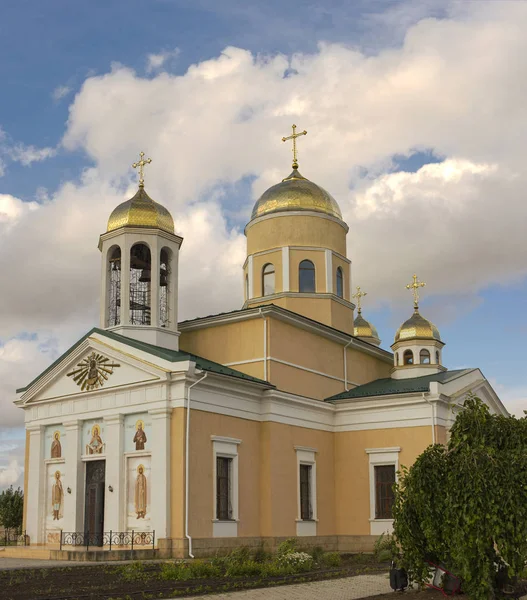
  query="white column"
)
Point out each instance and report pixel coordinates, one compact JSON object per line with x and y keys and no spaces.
{"x":160,"y":471}
{"x":154,"y":282}
{"x":114,"y":477}
{"x":285,"y":269}
{"x":36,"y":484}
{"x":329,"y":272}
{"x":173,"y":288}
{"x":104,"y":289}
{"x":74,"y":501}
{"x":251,"y":278}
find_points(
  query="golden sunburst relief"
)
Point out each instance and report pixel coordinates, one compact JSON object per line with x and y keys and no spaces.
{"x":92,"y":371}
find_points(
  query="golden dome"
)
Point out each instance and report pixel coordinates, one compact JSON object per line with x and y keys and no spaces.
{"x":141,"y":211}
{"x":417,"y":327}
{"x":296,"y":193}
{"x":364,"y":329}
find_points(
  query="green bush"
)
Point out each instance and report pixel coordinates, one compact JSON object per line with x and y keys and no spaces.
{"x":298,"y":561}
{"x":238,"y":556}
{"x":175,"y":571}
{"x":202,"y":569}
{"x":384,"y":548}
{"x":331,"y":559}
{"x":273,"y":569}
{"x":261,"y":556}
{"x":133,"y":572}
{"x":317,"y":553}
{"x":249,"y":568}
{"x":286,"y":547}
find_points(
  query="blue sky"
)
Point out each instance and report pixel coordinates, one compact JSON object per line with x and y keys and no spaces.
{"x":64,"y":142}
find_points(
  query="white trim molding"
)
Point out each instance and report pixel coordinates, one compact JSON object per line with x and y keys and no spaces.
{"x":307,"y":456}
{"x":381,"y":457}
{"x":225,"y":447}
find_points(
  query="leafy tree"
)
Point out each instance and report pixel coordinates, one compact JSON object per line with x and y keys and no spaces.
{"x":465,"y":505}
{"x":11,"y":508}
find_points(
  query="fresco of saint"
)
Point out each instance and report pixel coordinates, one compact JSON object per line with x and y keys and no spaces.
{"x":95,"y":446}
{"x":140,"y":436}
{"x":56,"y":448}
{"x":140,"y":493}
{"x":57,"y":496}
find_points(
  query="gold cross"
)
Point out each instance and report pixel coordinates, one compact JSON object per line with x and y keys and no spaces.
{"x":359,"y":295}
{"x":141,"y":163}
{"x":293,"y":137}
{"x":414,"y":286}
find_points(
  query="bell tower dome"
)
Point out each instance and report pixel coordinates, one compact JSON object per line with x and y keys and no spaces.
{"x":417,"y":347}
{"x":140,"y":254}
{"x":296,"y":251}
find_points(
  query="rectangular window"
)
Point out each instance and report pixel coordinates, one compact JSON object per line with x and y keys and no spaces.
{"x":223,"y":488}
{"x":306,"y":510}
{"x":384,"y":495}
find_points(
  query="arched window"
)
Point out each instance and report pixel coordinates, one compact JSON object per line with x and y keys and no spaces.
{"x":437,"y":357}
{"x":268,"y":280}
{"x":408,"y":357}
{"x":114,"y":286}
{"x":140,"y":284}
{"x":396,"y":358}
{"x":247,"y":287}
{"x":340,"y":283}
{"x":424,"y":357}
{"x":164,"y":288}
{"x":306,"y":276}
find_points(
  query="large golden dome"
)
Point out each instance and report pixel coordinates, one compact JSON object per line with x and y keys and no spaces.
{"x":296,"y":193}
{"x":363,"y":328}
{"x":141,"y":211}
{"x":417,"y":327}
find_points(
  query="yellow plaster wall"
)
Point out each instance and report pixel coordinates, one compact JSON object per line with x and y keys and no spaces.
{"x":258,"y":264}
{"x":303,"y":383}
{"x":203,"y":426}
{"x":363,"y":368}
{"x":229,"y":342}
{"x":352,"y":483}
{"x":177,"y":473}
{"x":296,"y":230}
{"x":341,"y":317}
{"x":279,"y":483}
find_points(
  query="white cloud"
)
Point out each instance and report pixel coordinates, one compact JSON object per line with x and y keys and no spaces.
{"x":154,"y":62}
{"x":60,"y":92}
{"x":30,"y":154}
{"x":12,"y":210}
{"x":10,"y":474}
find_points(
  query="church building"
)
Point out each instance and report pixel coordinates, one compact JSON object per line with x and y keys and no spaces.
{"x":282,"y":418}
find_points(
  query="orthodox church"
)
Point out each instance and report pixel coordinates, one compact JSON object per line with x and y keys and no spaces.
{"x":283,"y":418}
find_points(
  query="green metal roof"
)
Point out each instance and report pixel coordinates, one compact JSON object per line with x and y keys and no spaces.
{"x":383,"y":387}
{"x":164,"y":353}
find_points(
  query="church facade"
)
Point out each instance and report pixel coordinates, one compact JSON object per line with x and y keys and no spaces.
{"x":283,"y":418}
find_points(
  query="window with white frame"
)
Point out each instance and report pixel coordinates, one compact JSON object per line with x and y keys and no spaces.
{"x":225,"y":478}
{"x":383,"y":467}
{"x":307,"y":483}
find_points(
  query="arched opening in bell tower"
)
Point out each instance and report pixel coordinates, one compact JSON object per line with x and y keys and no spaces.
{"x":114,"y":286}
{"x":140,"y":285}
{"x":164,"y":287}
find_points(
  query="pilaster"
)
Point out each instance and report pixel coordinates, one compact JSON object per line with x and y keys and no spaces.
{"x":74,"y":501}
{"x":251,"y":277}
{"x":285,"y":270}
{"x":160,"y":448}
{"x":154,"y":282}
{"x":329,"y":272}
{"x":36,"y":486}
{"x":114,"y":479}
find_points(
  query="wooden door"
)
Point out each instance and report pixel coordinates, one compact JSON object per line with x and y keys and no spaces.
{"x":94,"y":502}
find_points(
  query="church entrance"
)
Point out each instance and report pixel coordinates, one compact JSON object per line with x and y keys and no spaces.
{"x":94,"y":502}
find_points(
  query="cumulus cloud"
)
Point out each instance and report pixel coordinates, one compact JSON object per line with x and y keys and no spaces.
{"x":60,"y":92}
{"x":11,"y":474}
{"x":455,"y":87}
{"x":154,"y":62}
{"x":30,"y":154}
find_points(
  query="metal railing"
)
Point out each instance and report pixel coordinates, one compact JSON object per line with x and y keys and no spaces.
{"x":110,"y":539}
{"x":13,"y":537}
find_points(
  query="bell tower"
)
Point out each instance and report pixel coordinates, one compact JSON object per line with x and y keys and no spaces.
{"x":139,"y":277}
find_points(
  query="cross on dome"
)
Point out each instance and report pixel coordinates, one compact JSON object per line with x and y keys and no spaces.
{"x":293,"y":137}
{"x":414,"y":286}
{"x":140,"y":165}
{"x":359,"y":295}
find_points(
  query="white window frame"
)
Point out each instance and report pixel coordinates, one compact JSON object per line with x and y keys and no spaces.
{"x":380,"y":457}
{"x":306,"y":456}
{"x":225,"y":447}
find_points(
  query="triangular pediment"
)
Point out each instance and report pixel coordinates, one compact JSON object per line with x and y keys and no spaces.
{"x":94,"y":366}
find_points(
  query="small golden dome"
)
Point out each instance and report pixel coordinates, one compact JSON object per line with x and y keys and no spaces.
{"x":364,"y":329}
{"x":141,"y":211}
{"x":417,"y":327}
{"x":296,"y":193}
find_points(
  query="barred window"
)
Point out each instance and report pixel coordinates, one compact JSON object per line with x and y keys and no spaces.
{"x":306,"y":509}
{"x":223,"y":488}
{"x":384,"y":494}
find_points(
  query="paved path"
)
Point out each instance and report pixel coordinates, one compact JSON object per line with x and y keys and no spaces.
{"x":347,"y":588}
